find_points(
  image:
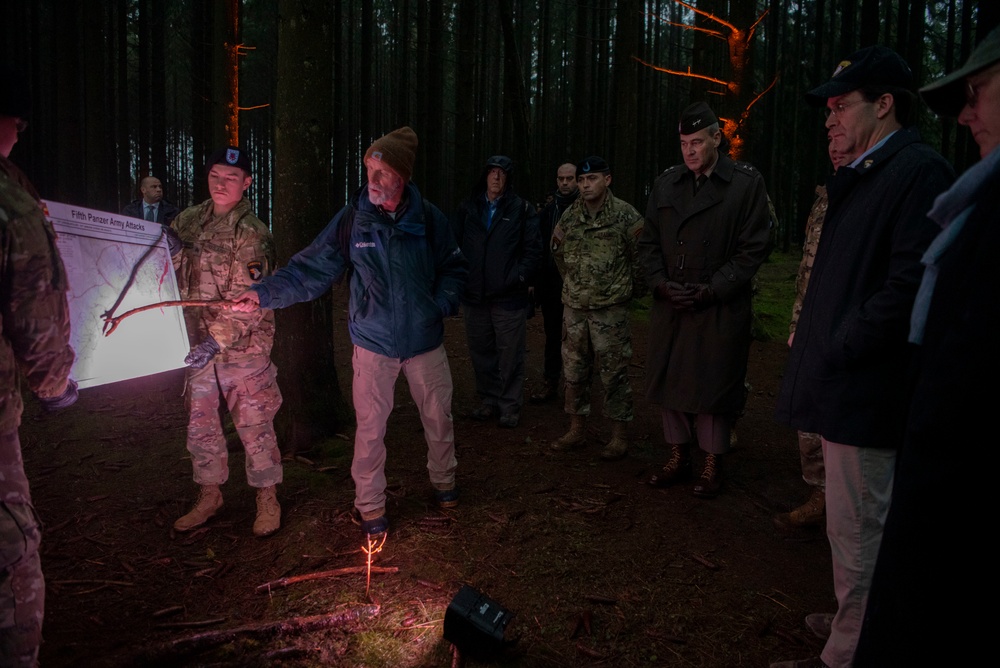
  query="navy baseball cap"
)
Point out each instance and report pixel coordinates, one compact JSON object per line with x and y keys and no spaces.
{"x":874,"y":65}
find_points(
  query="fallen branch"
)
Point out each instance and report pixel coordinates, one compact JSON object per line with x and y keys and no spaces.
{"x":335,"y":573}
{"x":111,"y":322}
{"x":113,"y":583}
{"x":197,"y":624}
{"x":295,"y":625}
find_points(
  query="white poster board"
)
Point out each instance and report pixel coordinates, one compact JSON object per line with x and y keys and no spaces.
{"x":100,"y":250}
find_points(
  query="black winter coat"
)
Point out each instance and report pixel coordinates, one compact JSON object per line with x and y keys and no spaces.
{"x":503,"y":258}
{"x":846,"y":373}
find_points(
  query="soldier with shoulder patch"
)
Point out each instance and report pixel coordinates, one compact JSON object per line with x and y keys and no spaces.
{"x":35,"y":352}
{"x":223,"y":249}
{"x":594,"y":245}
{"x":707,"y":231}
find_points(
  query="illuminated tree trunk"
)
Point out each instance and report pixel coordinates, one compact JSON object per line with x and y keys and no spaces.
{"x":736,"y":105}
{"x":232,"y":78}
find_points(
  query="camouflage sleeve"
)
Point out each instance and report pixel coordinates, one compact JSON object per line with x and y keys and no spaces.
{"x":814,"y":227}
{"x":33,"y":291}
{"x":634,"y":231}
{"x":253,"y":259}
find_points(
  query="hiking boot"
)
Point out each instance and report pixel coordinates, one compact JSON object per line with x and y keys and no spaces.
{"x":617,"y":447}
{"x":268,"y":512}
{"x":821,"y":624}
{"x":547,"y":392}
{"x":374,"y":527}
{"x":208,"y":503}
{"x":677,"y":469}
{"x":710,"y":482}
{"x":485,"y":412}
{"x":575,"y":438}
{"x":510,"y":420}
{"x":446,"y":498}
{"x":808,"y":514}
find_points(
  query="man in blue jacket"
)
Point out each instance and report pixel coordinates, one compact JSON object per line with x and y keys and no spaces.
{"x":406,"y":276}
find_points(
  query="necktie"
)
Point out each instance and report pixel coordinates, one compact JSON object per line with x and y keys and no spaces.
{"x":150,"y":214}
{"x":699,"y":182}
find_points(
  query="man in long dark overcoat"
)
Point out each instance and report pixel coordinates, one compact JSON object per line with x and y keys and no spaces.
{"x":706,"y":233}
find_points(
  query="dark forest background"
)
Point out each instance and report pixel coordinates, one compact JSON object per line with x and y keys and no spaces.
{"x":125,"y":88}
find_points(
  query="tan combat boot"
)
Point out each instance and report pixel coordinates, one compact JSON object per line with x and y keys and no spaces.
{"x":617,"y":447}
{"x":575,"y":438}
{"x":809,"y":513}
{"x":268,"y":512}
{"x":208,"y":503}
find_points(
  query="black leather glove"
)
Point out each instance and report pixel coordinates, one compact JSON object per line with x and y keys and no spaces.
{"x":174,"y":242}
{"x":702,"y":294}
{"x":64,"y":400}
{"x":202,"y":353}
{"x":681,"y":297}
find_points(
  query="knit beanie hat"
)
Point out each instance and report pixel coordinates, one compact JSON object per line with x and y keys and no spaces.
{"x":398,"y":149}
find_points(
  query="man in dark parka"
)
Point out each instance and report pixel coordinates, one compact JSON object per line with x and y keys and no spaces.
{"x":706,"y":233}
{"x":847,"y":368}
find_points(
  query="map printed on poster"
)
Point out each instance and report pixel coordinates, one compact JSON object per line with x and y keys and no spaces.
{"x":99,"y":250}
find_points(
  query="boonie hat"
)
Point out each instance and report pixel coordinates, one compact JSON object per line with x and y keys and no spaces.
{"x":946,"y":96}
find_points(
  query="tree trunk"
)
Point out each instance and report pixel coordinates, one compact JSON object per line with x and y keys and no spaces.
{"x":625,"y":103}
{"x":515,"y":92}
{"x":313,"y":404}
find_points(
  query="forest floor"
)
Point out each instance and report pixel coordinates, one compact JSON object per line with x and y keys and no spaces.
{"x":661,"y":577}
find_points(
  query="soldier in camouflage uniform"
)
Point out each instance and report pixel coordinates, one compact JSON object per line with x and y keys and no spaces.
{"x":34,"y":338}
{"x":226,"y":248}
{"x":810,"y":445}
{"x":594,"y":245}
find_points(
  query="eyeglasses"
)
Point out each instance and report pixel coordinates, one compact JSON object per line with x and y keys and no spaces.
{"x":839,"y":108}
{"x":21,"y":125}
{"x":972,"y":90}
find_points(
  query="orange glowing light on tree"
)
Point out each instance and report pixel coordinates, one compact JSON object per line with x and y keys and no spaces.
{"x":738,"y":41}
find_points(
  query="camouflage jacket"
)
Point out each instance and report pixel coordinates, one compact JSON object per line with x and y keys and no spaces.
{"x":222,"y":258}
{"x":814,"y":226}
{"x":34,"y":316}
{"x":598,"y":257}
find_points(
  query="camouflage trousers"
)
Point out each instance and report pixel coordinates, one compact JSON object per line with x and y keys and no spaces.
{"x":251,"y":391}
{"x":22,"y":587}
{"x":603,"y":333}
{"x":811,"y":456}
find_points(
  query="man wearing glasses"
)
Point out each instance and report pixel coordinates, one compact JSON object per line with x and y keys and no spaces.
{"x":848,"y":360}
